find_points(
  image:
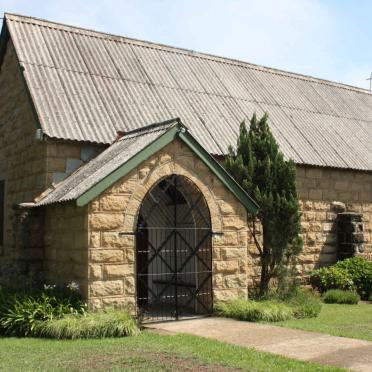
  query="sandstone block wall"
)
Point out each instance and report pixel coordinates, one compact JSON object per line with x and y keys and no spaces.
{"x":318,"y":189}
{"x":66,"y":245}
{"x":22,"y":158}
{"x":28,"y":166}
{"x":112,"y":268}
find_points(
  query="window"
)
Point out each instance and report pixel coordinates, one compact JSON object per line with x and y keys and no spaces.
{"x":2,"y":202}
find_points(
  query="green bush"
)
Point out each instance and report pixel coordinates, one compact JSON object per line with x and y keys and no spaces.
{"x":109,"y":323}
{"x":331,"y":278}
{"x":360,"y":271}
{"x":351,"y":274}
{"x":370,"y":298}
{"x":254,"y":311}
{"x":337,"y":296}
{"x":305,"y":305}
{"x":19,"y":312}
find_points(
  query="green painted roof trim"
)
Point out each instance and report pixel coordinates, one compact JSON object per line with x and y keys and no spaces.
{"x":220,"y":172}
{"x":180,"y":131}
{"x":132,"y":163}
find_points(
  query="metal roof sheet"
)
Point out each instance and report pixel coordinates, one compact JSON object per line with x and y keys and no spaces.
{"x":104,"y":164}
{"x":87,"y":85}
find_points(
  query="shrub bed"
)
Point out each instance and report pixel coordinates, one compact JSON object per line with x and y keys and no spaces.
{"x":305,"y":305}
{"x":300,"y":304}
{"x":58,"y":313}
{"x":21,"y":310}
{"x":337,"y":296}
{"x":351,"y":274}
{"x":254,"y":311}
{"x":109,"y":323}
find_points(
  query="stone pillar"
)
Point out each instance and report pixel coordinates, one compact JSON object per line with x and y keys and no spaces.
{"x":349,"y":234}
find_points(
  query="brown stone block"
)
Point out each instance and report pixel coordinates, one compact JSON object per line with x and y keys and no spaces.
{"x":230,"y":253}
{"x":226,"y":266}
{"x":95,"y":272}
{"x":308,"y":216}
{"x":228,"y":294}
{"x":303,"y":194}
{"x":117,"y":271}
{"x":235,"y":281}
{"x":365,"y":196}
{"x":126,"y":185}
{"x":106,"y":221}
{"x":233,"y":223}
{"x":106,"y":288}
{"x":114,"y":240}
{"x":114,"y":202}
{"x":218,"y":280}
{"x":314,"y":173}
{"x":315,"y":226}
{"x":226,"y":208}
{"x":322,"y":206}
{"x":305,"y":226}
{"x":164,"y":158}
{"x":327,"y":227}
{"x":228,"y":238}
{"x":329,"y":195}
{"x":308,"y":205}
{"x":95,"y":304}
{"x":331,"y":216}
{"x":315,"y":194}
{"x":107,"y":255}
{"x":310,"y":239}
{"x":216,"y":253}
{"x":95,"y":239}
{"x":309,"y":183}
{"x":305,"y":258}
{"x":129,"y":285}
{"x":342,"y":185}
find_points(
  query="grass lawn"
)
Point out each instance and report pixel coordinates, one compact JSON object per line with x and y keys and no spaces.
{"x":146,"y":352}
{"x":353,"y":321}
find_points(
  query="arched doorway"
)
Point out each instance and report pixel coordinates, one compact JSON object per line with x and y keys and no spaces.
{"x":174,"y":252}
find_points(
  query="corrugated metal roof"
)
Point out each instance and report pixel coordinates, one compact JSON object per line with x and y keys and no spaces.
{"x":88,"y":85}
{"x":104,"y":164}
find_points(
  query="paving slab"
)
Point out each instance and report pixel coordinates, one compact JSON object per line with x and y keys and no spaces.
{"x":309,"y":346}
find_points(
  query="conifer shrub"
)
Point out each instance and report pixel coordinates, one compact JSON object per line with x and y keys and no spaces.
{"x":259,"y":166}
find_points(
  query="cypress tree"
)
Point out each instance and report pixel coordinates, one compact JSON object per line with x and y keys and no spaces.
{"x":259,"y":167}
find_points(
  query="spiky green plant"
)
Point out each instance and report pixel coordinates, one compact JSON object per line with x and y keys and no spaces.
{"x":108,"y":323}
{"x":259,"y":167}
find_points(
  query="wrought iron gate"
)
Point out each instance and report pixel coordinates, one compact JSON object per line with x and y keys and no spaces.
{"x":174,"y":252}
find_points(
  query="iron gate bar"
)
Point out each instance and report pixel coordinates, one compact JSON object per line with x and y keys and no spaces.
{"x":175,"y":249}
{"x":198,"y":289}
{"x":195,"y":251}
{"x":194,"y":205}
{"x":175,"y":268}
{"x":157,"y":251}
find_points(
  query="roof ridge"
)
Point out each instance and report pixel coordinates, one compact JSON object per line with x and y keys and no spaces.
{"x":150,"y":128}
{"x":179,"y":50}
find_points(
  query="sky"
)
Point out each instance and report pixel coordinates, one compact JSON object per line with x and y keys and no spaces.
{"x":329,"y":39}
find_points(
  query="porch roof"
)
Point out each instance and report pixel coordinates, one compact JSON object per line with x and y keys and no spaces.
{"x":124,"y":155}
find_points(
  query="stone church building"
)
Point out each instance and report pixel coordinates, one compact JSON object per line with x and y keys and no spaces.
{"x":144,"y":214}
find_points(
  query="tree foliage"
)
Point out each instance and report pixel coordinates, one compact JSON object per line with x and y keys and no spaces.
{"x":259,"y":167}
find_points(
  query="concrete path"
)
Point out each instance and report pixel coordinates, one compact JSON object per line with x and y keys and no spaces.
{"x":302,"y":345}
